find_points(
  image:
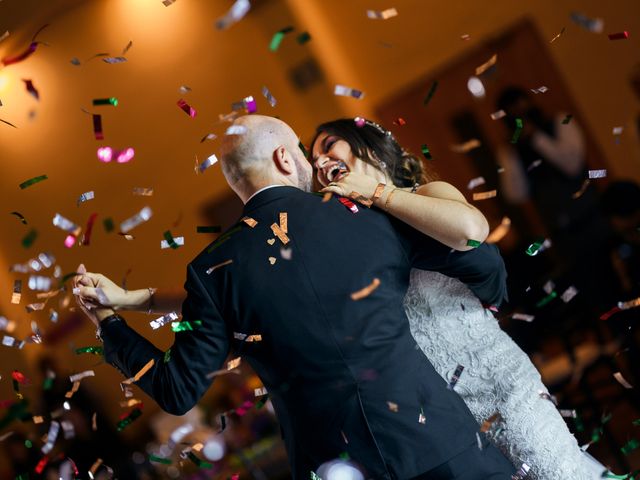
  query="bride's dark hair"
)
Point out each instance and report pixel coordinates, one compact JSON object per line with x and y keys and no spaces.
{"x":377,"y":146}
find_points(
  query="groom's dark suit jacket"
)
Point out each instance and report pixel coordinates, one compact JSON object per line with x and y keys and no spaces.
{"x":343,"y":375}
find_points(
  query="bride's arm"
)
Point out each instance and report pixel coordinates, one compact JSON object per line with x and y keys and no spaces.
{"x":438,"y":210}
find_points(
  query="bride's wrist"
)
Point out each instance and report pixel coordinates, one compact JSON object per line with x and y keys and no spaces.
{"x":137,"y":300}
{"x":383,"y":199}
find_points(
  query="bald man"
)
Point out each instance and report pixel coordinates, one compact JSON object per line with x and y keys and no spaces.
{"x":332,"y":365}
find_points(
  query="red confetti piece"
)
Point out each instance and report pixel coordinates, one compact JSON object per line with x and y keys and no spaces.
{"x":619,"y":36}
{"x":87,"y":236}
{"x":349,"y":204}
{"x":186,"y":108}
{"x":605,"y":316}
{"x":19,"y":377}
{"x":97,"y":127}
{"x":22,"y":56}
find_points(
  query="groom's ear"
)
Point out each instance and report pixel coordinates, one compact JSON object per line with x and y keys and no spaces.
{"x":283,"y":161}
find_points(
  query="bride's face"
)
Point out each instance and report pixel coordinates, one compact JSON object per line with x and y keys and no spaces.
{"x":333,"y":157}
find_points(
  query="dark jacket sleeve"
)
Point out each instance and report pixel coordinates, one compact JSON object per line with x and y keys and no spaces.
{"x":482,"y":268}
{"x":178,"y":378}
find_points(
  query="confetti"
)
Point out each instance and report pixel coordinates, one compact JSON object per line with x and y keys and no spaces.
{"x":382,"y":14}
{"x":630,"y":446}
{"x":568,"y":294}
{"x":94,"y":350}
{"x":518,"y":130}
{"x":166,"y":3}
{"x":185,"y":326}
{"x":270,"y":98}
{"x":139,"y":218}
{"x":247,"y":338}
{"x":130,"y":418}
{"x":366,"y":291}
{"x":498,"y":115}
{"x":617,"y":130}
{"x":234,"y":363}
{"x":541,"y":89}
{"x":619,"y":36}
{"x":303,"y":38}
{"x":557,"y":36}
{"x":165,"y":461}
{"x":106,"y":154}
{"x":400,"y":122}
{"x":250,"y":221}
{"x":66,"y":225}
{"x":32,"y":181}
{"x":344,"y":91}
{"x":236,"y":130}
{"x":170,"y":241}
{"x":523,"y":316}
{"x":219,"y":265}
{"x":465,"y":36}
{"x":475,"y":182}
{"x":17,"y":292}
{"x":621,"y":380}
{"x":521,"y":473}
{"x":455,"y":377}
{"x":143,"y":191}
{"x":140,"y":373}
{"x":546,"y":300}
{"x":74,"y":389}
{"x":277,"y":38}
{"x":105,"y":101}
{"x":163,"y":320}
{"x":597,"y":173}
{"x":209,"y":161}
{"x":279,"y":232}
{"x":432,"y":91}
{"x":31,"y":89}
{"x":595,"y":25}
{"x":534,"y":248}
{"x":112,"y":60}
{"x":630,"y":304}
{"x":54,"y":429}
{"x":186,"y":108}
{"x":485,"y":195}
{"x":487,"y":65}
{"x":425,"y":151}
{"x":421,"y":418}
{"x":466,"y":146}
{"x":583,"y":188}
{"x":473,"y":243}
{"x":258,"y":392}
{"x":486,"y":425}
{"x":238,"y":10}
{"x":79,"y":376}
{"x":85,"y":197}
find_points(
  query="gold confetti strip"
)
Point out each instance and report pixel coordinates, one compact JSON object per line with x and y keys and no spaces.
{"x":37,"y":419}
{"x":139,"y":375}
{"x":132,"y":402}
{"x":326,"y":197}
{"x":500,"y":231}
{"x":621,"y":380}
{"x":250,"y":221}
{"x":392,"y":406}
{"x":215,"y":267}
{"x":486,"y":425}
{"x":17,"y":292}
{"x":234,"y":363}
{"x":466,"y":146}
{"x":94,"y":421}
{"x":366,"y":291}
{"x":277,"y":231}
{"x":498,"y":115}
{"x":485,"y":195}
{"x":74,"y":389}
{"x":283,"y":222}
{"x":487,"y":65}
{"x":584,"y":186}
{"x":95,"y":467}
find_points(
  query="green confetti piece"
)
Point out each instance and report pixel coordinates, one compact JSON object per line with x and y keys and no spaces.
{"x":97,"y":350}
{"x":344,"y":456}
{"x":29,"y":238}
{"x":32,"y":181}
{"x":260,"y":403}
{"x":534,"y":247}
{"x":432,"y":90}
{"x":546,"y":299}
{"x":518,"y":131}
{"x":567,"y":119}
{"x":167,"y":356}
{"x":303,"y":38}
{"x":277,"y":38}
{"x":426,"y":152}
{"x":208,"y":229}
{"x":630,"y":446}
{"x":28,"y":444}
{"x":129,"y":419}
{"x":169,"y":238}
{"x":23,"y":476}
{"x":625,"y":476}
{"x":106,"y":101}
{"x":199,"y":463}
{"x":314,"y":476}
{"x":185,"y":326}
{"x":108,"y":224}
{"x":47,"y":384}
{"x":579,"y":424}
{"x":166,"y":461}
{"x":473,"y":243}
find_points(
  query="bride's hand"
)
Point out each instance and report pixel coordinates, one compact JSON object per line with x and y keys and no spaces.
{"x":353,"y":185}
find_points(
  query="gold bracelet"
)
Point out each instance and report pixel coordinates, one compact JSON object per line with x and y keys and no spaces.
{"x":386,"y":203}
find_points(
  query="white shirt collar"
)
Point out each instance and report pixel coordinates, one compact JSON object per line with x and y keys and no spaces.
{"x":262,"y":190}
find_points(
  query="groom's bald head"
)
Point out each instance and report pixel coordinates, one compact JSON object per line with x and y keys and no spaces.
{"x":264,"y":152}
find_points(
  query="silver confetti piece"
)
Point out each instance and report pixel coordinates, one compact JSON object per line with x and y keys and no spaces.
{"x":159,"y":322}
{"x":140,"y":217}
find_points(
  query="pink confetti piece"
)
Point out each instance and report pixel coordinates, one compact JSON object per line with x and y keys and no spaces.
{"x":186,"y":108}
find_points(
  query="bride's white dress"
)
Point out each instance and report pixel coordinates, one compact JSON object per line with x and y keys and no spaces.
{"x":452,"y":328}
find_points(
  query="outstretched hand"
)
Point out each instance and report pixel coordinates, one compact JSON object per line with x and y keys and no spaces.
{"x":353,"y":185}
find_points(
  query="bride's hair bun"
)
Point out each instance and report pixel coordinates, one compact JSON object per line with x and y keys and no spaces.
{"x":409,"y":171}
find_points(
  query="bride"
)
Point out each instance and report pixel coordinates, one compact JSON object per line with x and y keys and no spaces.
{"x":498,"y":383}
